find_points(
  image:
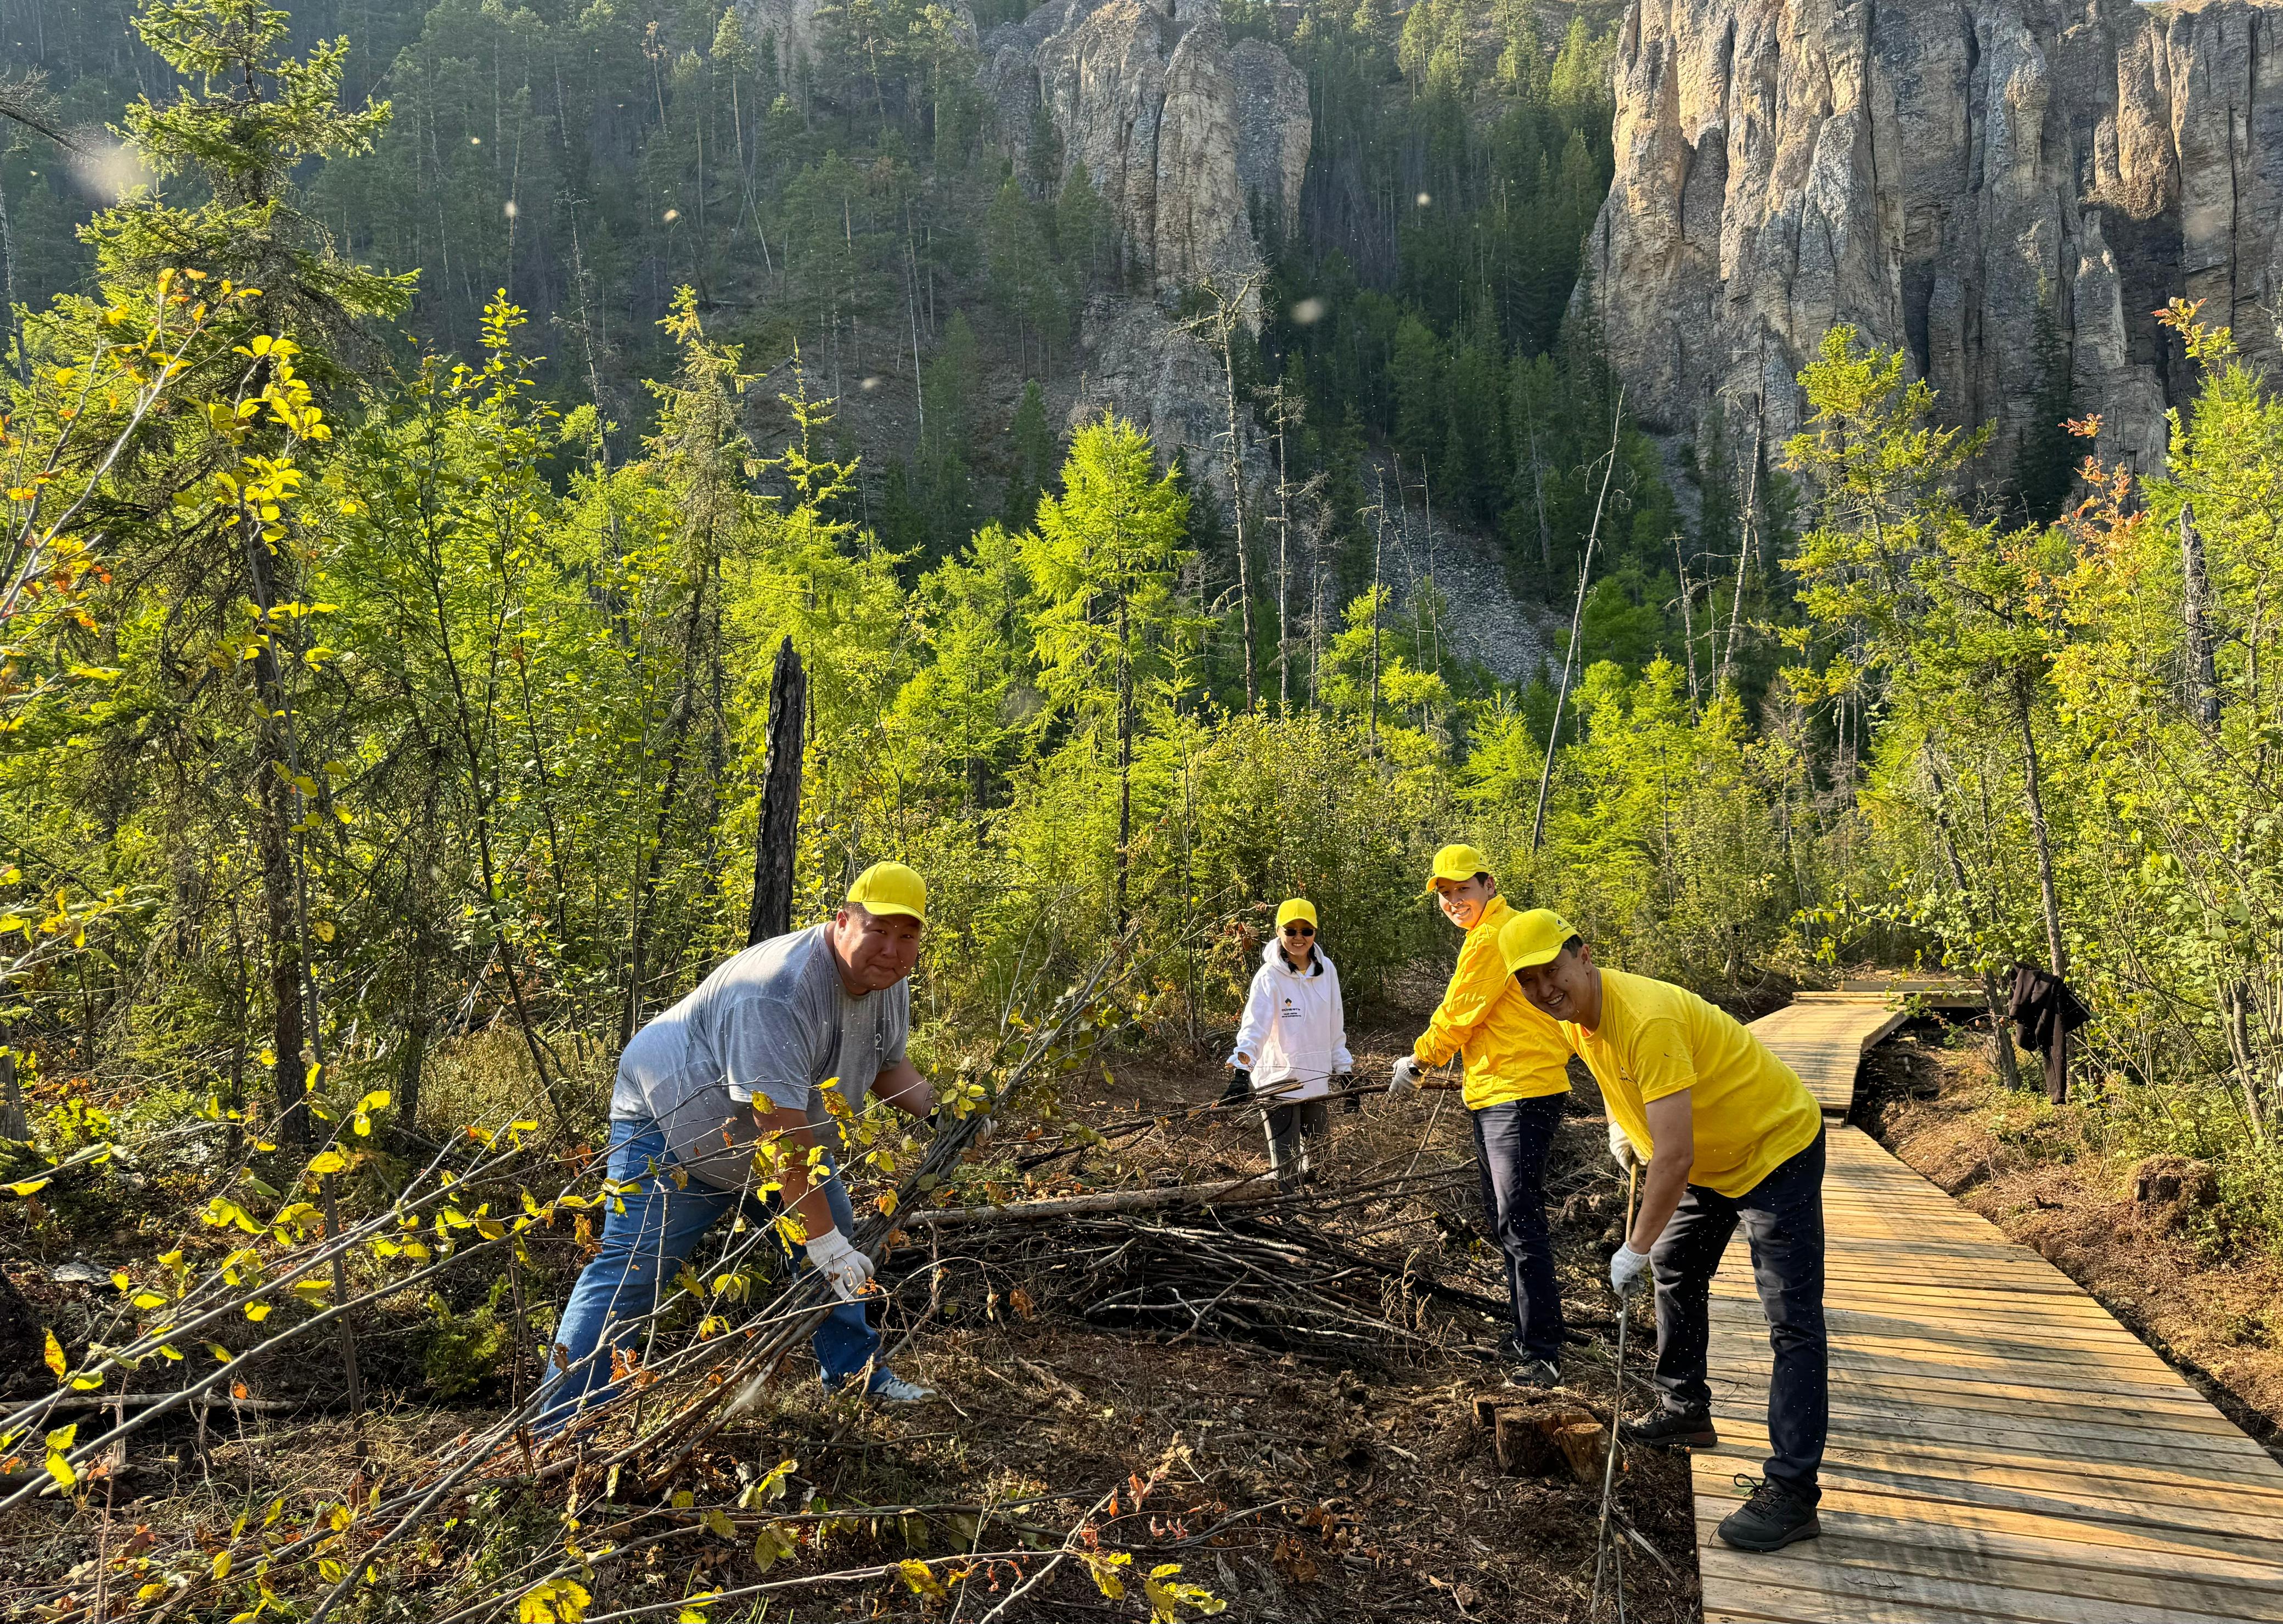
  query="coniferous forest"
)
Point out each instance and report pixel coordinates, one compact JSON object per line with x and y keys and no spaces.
{"x":425,"y":425}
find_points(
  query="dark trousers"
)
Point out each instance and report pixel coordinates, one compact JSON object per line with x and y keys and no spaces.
{"x":1511,"y":1144}
{"x":1782,"y":1216}
{"x":1290,"y":1129}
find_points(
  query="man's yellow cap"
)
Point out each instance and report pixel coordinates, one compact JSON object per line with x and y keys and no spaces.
{"x":891,"y":888}
{"x":1298,"y":907}
{"x":1535,"y":937}
{"x":1459,"y":863}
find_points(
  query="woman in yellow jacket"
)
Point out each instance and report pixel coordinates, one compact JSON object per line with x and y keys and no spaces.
{"x":1517,"y":1070}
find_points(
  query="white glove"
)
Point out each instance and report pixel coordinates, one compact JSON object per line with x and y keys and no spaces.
{"x":838,"y":1260}
{"x":1405,"y":1078}
{"x":1626,"y":1267}
{"x":1622,"y":1150}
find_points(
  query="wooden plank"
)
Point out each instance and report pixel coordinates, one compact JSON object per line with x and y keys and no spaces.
{"x":1743,"y":1442}
{"x":1852,"y":1593}
{"x":2057,"y":1500}
{"x":2000,"y":1448}
{"x":2113,"y":1568}
{"x":2033,"y":1439}
{"x":2114,"y":1563}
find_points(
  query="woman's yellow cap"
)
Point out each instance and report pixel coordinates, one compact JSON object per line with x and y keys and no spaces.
{"x":1298,"y":907}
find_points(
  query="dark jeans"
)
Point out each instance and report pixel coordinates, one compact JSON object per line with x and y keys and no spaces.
{"x":1290,"y":1129}
{"x":1782,"y":1216}
{"x":1511,"y":1143}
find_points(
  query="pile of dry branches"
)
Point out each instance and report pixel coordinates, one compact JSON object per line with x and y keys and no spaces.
{"x":1250,"y":1267}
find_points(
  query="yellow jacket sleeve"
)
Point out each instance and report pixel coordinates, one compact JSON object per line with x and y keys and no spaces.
{"x":1513,"y":1051}
{"x":1477,"y":984}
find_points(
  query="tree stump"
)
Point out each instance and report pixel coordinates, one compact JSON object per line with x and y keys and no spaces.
{"x":1544,"y":1437}
{"x":2167,"y":1188}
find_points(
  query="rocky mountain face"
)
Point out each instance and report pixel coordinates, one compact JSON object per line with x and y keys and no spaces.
{"x":2006,"y":188}
{"x":1179,"y":129}
{"x":1183,"y":134}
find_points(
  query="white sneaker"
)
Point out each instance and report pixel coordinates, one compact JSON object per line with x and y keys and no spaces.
{"x":890,"y":1389}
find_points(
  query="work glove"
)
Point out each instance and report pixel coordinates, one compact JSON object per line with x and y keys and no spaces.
{"x":1351,"y":1102}
{"x":1404,"y":1080}
{"x":1622,"y":1150}
{"x":1627,"y":1270}
{"x":836,"y":1257}
{"x":1239,"y":1089}
{"x":987,"y":1131}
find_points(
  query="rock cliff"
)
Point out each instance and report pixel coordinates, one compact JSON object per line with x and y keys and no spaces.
{"x":1938,"y":174}
{"x":1180,"y":130}
{"x":1186,"y":136}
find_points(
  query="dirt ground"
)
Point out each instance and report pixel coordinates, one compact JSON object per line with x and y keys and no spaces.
{"x":2214,"y":1313}
{"x":1292,"y":1485}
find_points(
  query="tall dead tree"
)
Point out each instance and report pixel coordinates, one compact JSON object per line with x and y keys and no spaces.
{"x":777,"y":841}
{"x":2195,"y":599}
{"x":1218,"y":325}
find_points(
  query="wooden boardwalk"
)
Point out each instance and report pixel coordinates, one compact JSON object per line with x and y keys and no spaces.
{"x":1823,"y":1038}
{"x":2000,"y":1448}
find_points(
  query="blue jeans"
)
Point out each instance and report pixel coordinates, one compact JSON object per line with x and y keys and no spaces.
{"x":1512,"y":1141}
{"x":643,"y":1248}
{"x":1782,"y":1217}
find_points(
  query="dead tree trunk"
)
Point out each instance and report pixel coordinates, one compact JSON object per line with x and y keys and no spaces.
{"x":777,"y":841}
{"x":2033,"y":787}
{"x":2001,"y":1045}
{"x":2195,"y":596}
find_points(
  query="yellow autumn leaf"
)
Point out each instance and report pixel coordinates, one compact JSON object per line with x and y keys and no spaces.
{"x":221,"y":1565}
{"x":328,"y":1161}
{"x":558,"y":1601}
{"x":28,"y":1186}
{"x":55,"y":1355}
{"x":58,"y":1441}
{"x":257,"y":1311}
{"x":1167,"y":1595}
{"x":1103,"y":1568}
{"x":921,"y":1578}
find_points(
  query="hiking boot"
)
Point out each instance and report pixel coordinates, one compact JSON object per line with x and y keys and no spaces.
{"x":1672,"y":1429}
{"x":1529,"y":1372}
{"x":890,"y":1388}
{"x":1771,"y":1519}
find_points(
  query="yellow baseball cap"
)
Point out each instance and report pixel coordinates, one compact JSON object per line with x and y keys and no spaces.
{"x":1298,"y":907}
{"x":891,"y":888}
{"x":1535,"y":937}
{"x":1459,"y":863}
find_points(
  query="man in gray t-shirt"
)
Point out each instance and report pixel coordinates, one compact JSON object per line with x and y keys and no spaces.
{"x":767,"y":1030}
{"x":743,"y":1059}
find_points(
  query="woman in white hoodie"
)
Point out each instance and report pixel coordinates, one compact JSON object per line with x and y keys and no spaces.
{"x":1293,"y":1040}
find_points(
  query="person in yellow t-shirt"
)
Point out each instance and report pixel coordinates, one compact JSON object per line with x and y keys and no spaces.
{"x":1729,"y":1134}
{"x":1517,"y":1071}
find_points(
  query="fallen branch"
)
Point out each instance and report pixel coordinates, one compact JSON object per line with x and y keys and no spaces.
{"x":1252,"y":1188}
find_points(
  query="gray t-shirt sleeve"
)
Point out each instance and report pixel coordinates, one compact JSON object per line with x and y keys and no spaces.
{"x":767,"y":1046}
